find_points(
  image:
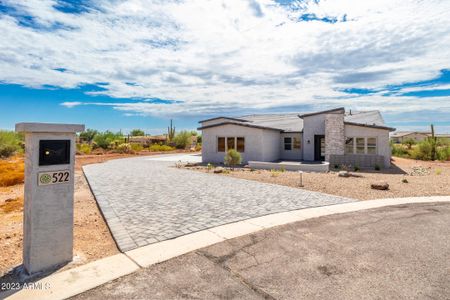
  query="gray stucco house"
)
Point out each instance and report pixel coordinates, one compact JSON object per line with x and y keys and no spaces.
{"x":336,"y":136}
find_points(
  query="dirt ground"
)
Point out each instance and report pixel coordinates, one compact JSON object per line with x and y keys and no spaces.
{"x":92,"y":239}
{"x":423,"y":179}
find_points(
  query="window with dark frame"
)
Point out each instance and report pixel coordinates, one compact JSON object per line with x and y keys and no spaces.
{"x":288,"y":143}
{"x":220,"y":144}
{"x":240,"y":144}
{"x":230,"y":143}
{"x":348,"y":146}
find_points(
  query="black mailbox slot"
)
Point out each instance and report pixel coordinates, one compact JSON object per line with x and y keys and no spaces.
{"x":54,"y":152}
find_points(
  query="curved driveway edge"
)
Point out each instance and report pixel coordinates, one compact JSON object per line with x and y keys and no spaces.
{"x":77,"y":280}
{"x":146,"y":200}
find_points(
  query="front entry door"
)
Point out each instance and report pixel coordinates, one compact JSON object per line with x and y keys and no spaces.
{"x":319,"y":147}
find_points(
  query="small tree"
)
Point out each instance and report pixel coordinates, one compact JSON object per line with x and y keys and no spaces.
{"x":232,"y":158}
{"x":409,"y":143}
{"x":137,"y":132}
{"x":88,"y":135}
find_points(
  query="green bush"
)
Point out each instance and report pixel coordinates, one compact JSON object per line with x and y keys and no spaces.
{"x":183,"y":139}
{"x":137,"y":132}
{"x":160,"y":148}
{"x":10,"y":143}
{"x":422,"y":151}
{"x":108,"y":139}
{"x":123,"y":148}
{"x":137,"y":147}
{"x":443,"y":153}
{"x":232,"y":158}
{"x":399,"y":151}
{"x":84,"y":148}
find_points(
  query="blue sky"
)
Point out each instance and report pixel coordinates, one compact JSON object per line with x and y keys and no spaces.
{"x":121,"y":65}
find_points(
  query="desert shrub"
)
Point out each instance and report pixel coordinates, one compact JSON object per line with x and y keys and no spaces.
{"x":377,"y":167}
{"x":409,"y":142}
{"x":274,"y":173}
{"x":108,"y":139}
{"x":198,"y":147}
{"x":422,"y":151}
{"x":137,"y":132}
{"x":160,"y":148}
{"x":182,"y":139}
{"x":124,"y":148}
{"x":443,"y":153}
{"x":232,"y":158}
{"x":137,"y":147}
{"x":11,"y":172}
{"x":404,"y":180}
{"x":10,"y":143}
{"x":210,"y":166}
{"x":438,"y":171}
{"x":84,"y":148}
{"x":282,"y":169}
{"x":356,"y":168}
{"x":399,"y":150}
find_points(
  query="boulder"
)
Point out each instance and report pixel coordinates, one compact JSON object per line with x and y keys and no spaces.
{"x":218,"y":170}
{"x":382,"y":185}
{"x":344,"y":174}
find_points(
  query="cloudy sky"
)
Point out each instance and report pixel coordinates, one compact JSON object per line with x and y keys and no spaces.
{"x":125,"y":64}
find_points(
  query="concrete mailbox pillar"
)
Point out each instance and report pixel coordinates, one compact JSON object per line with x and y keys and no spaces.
{"x":49,"y":188}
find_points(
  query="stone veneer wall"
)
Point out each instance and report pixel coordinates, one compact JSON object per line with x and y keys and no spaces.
{"x":357,"y":160}
{"x":334,"y":134}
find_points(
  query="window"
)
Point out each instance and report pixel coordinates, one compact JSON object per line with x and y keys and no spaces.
{"x":348,"y":146}
{"x":371,"y":146}
{"x":360,"y":145}
{"x":230,"y":143}
{"x":221,"y":144}
{"x":297,"y":143}
{"x":287,"y":143}
{"x":240,"y":144}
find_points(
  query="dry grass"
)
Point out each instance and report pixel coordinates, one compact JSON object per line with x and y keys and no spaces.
{"x":11,"y":171}
{"x":11,"y":205}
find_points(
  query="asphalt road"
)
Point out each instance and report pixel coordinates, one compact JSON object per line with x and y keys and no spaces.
{"x":400,"y":252}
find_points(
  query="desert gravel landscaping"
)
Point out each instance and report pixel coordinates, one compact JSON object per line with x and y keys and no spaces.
{"x":423,"y":178}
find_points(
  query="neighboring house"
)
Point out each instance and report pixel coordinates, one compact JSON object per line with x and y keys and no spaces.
{"x":399,"y":137}
{"x":358,"y":138}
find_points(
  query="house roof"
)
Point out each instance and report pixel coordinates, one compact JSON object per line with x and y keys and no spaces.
{"x":405,"y":133}
{"x":217,"y":118}
{"x":339,"y":109}
{"x":294,"y":123}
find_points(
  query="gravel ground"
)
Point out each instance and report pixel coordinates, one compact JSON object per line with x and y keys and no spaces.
{"x":435,"y":182}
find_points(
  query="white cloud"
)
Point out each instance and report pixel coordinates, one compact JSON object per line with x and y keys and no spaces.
{"x":220,"y":56}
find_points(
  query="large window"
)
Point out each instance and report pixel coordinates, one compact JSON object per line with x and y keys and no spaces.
{"x":226,"y":143}
{"x":230,"y":143}
{"x":371,"y":146}
{"x":348,"y":146}
{"x":221,"y":144}
{"x":240,"y":144}
{"x":297,"y":143}
{"x":361,"y":145}
{"x":288,"y":143}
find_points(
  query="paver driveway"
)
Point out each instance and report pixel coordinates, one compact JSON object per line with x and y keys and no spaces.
{"x":147,"y":200}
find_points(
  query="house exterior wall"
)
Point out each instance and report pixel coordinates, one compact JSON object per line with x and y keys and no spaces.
{"x":260,"y":144}
{"x":312,"y":125}
{"x":294,"y":154}
{"x":334,"y":135}
{"x":382,"y":136}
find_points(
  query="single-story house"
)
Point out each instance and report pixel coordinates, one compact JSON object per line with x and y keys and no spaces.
{"x":339,"y":137}
{"x":399,"y":137}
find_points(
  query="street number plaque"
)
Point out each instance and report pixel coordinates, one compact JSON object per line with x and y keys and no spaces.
{"x":54,"y":177}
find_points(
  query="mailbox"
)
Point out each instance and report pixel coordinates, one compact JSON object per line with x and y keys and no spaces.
{"x":54,"y":152}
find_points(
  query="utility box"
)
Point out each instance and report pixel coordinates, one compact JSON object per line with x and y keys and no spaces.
{"x":49,"y":192}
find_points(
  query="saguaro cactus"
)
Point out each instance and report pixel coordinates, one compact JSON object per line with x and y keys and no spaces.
{"x":170,"y":132}
{"x":433,"y":142}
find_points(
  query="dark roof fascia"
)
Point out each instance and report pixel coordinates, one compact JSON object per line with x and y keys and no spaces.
{"x":238,"y":124}
{"x":228,"y":118}
{"x":371,"y":126}
{"x":340,"y":109}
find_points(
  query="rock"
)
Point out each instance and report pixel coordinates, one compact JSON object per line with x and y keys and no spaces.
{"x":344,"y":174}
{"x":382,"y":185}
{"x":218,"y":170}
